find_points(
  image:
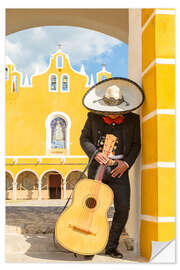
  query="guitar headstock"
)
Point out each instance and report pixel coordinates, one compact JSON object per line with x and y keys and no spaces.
{"x":109,"y":144}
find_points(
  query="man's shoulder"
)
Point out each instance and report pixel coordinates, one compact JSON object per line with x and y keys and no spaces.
{"x":133,"y":116}
{"x":94,"y":116}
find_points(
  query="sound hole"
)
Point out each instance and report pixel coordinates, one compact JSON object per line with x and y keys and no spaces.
{"x":90,"y":202}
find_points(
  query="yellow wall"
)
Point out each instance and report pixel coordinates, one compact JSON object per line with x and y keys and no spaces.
{"x":27,"y":111}
{"x":158,"y":128}
{"x":26,"y":115}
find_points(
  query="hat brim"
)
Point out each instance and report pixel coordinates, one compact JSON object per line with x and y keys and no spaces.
{"x":133,"y":96}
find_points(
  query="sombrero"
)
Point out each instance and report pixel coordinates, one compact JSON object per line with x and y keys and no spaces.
{"x":114,"y":96}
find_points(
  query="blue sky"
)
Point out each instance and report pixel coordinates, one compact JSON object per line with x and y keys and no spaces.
{"x":34,"y":46}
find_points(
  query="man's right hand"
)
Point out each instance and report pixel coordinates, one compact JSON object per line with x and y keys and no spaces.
{"x":101,"y":158}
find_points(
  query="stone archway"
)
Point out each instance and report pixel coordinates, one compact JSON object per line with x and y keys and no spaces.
{"x":71,"y":180}
{"x":9,"y":186}
{"x":27,"y":186}
{"x":113,"y":22}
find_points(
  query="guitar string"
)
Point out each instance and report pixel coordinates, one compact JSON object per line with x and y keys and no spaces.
{"x":96,"y":193}
{"x":86,"y":215}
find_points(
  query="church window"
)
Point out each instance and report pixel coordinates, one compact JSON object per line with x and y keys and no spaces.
{"x":53,"y":83}
{"x":6,"y":73}
{"x":65,"y":83}
{"x":103,"y":77}
{"x":14,"y":84}
{"x":59,"y":61}
{"x":58,"y":133}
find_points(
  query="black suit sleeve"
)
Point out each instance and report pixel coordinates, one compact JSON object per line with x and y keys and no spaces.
{"x":86,"y":137}
{"x":136,"y":143}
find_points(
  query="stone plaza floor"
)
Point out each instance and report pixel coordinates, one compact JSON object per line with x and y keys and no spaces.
{"x":29,"y":235}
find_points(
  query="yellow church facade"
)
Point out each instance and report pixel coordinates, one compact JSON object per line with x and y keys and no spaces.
{"x":44,"y":119}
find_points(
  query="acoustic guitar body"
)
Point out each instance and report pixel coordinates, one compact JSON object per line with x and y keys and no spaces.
{"x":83,"y":227}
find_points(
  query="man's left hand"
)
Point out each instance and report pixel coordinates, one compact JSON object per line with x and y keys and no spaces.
{"x":120,"y":168}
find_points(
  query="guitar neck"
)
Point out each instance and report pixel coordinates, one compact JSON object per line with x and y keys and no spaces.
{"x":107,"y":150}
{"x":100,"y":172}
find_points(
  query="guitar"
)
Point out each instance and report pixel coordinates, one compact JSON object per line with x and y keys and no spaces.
{"x":83,"y":227}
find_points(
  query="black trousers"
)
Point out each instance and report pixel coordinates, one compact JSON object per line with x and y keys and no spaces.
{"x":121,"y":190}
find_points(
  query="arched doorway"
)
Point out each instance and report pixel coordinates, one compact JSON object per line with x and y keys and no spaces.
{"x":9,"y":186}
{"x":27,"y":186}
{"x":55,"y":184}
{"x":51,"y":185}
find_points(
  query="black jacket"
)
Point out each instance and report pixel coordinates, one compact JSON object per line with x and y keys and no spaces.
{"x":130,"y":131}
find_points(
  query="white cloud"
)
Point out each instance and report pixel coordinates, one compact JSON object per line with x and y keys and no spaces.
{"x":33,"y":47}
{"x":83,"y":44}
{"x":38,"y":34}
{"x":13,"y":48}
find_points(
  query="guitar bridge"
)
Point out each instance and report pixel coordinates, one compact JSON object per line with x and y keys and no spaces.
{"x":81,"y":230}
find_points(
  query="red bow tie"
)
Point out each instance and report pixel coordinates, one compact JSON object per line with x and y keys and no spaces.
{"x":117,"y":120}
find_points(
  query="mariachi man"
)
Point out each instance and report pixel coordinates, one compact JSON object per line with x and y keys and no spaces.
{"x":111,"y":103}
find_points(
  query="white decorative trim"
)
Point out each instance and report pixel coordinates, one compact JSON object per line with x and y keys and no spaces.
{"x":163,"y":61}
{"x":166,"y":111}
{"x":149,"y":116}
{"x":50,"y":117}
{"x":158,"y":164}
{"x":148,"y":67}
{"x":148,"y":21}
{"x":49,"y":83}
{"x":156,"y":12}
{"x":166,"y":164}
{"x":26,"y":82}
{"x":61,"y":157}
{"x":157,"y":219}
{"x":82,"y":70}
{"x":158,"y":111}
{"x":165,"y":12}
{"x":91,"y":81}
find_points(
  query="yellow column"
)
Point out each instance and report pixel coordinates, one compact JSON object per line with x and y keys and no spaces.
{"x":158,"y":128}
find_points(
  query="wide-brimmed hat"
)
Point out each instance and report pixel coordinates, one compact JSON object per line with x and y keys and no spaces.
{"x":114,"y":96}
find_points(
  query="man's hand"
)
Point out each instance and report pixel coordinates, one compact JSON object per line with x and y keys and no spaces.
{"x":120,"y":168}
{"x":101,"y":158}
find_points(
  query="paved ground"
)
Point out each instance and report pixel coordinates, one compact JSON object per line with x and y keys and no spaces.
{"x":29,"y":227}
{"x":40,"y":248}
{"x":35,"y":217}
